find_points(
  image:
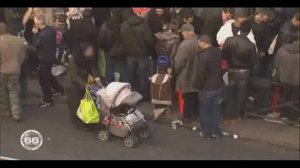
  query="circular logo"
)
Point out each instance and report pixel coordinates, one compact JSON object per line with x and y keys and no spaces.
{"x":31,"y":140}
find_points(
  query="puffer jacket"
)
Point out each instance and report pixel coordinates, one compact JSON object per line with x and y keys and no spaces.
{"x":167,"y":44}
{"x":136,"y":37}
{"x":286,"y":63}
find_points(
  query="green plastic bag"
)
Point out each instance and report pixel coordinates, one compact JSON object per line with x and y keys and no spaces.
{"x":87,"y":110}
{"x":101,"y":63}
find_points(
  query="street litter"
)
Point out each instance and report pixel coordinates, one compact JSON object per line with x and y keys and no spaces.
{"x":176,"y":123}
{"x":235,"y":136}
{"x":225,"y":133}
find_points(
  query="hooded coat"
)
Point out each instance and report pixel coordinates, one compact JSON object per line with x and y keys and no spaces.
{"x":136,"y":37}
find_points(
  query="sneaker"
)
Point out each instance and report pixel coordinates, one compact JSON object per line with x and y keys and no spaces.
{"x":56,"y":93}
{"x":216,"y":137}
{"x":204,"y":136}
{"x":45,"y":104}
{"x":273,"y":117}
{"x":16,"y":117}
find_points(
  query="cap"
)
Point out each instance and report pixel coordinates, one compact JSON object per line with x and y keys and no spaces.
{"x":141,"y":10}
{"x":187,"y":27}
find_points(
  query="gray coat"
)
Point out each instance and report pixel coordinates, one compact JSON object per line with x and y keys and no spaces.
{"x":286,"y":63}
{"x":184,"y":59}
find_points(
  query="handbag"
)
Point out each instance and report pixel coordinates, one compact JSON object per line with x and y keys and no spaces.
{"x":87,"y":111}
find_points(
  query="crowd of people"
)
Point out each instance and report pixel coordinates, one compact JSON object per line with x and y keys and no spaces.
{"x":211,"y":51}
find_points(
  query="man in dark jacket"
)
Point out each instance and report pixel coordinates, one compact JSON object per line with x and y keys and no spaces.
{"x":136,"y":39}
{"x":240,"y":53}
{"x":83,"y":30}
{"x":184,"y":59}
{"x":286,"y":65}
{"x":45,"y":43}
{"x":208,"y":81}
{"x":110,"y":41}
{"x":261,"y":30}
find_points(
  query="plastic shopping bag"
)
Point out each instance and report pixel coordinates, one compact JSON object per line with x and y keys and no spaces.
{"x":87,"y":110}
{"x":101,"y":63}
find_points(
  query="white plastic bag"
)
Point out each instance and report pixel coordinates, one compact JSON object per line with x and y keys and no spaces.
{"x":225,"y":78}
{"x":58,"y":70}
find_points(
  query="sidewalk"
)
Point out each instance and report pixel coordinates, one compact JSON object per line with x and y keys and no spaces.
{"x":251,"y":129}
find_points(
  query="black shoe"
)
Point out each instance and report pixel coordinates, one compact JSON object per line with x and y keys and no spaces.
{"x":45,"y":104}
{"x":56,"y":93}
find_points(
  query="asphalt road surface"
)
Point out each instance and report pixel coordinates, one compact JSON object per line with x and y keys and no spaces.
{"x":63,"y":141}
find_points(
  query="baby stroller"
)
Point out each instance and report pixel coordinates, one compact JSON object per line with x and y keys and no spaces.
{"x":116,"y":104}
{"x":161,"y":92}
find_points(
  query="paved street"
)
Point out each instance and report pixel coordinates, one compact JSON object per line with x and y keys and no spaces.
{"x":63,"y":141}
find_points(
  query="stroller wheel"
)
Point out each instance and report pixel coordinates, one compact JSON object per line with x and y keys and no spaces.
{"x":103,"y":135}
{"x":130,"y":141}
{"x":145,"y":134}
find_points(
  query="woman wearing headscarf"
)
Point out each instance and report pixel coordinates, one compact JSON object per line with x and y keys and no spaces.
{"x":80,"y":66}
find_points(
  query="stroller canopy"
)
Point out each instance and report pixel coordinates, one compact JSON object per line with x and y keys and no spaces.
{"x":117,"y":93}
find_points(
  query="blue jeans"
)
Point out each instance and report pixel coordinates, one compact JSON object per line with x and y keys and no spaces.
{"x":137,"y":74}
{"x":209,"y":111}
{"x":224,"y":100}
{"x":115,"y":65}
{"x":237,"y":94}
